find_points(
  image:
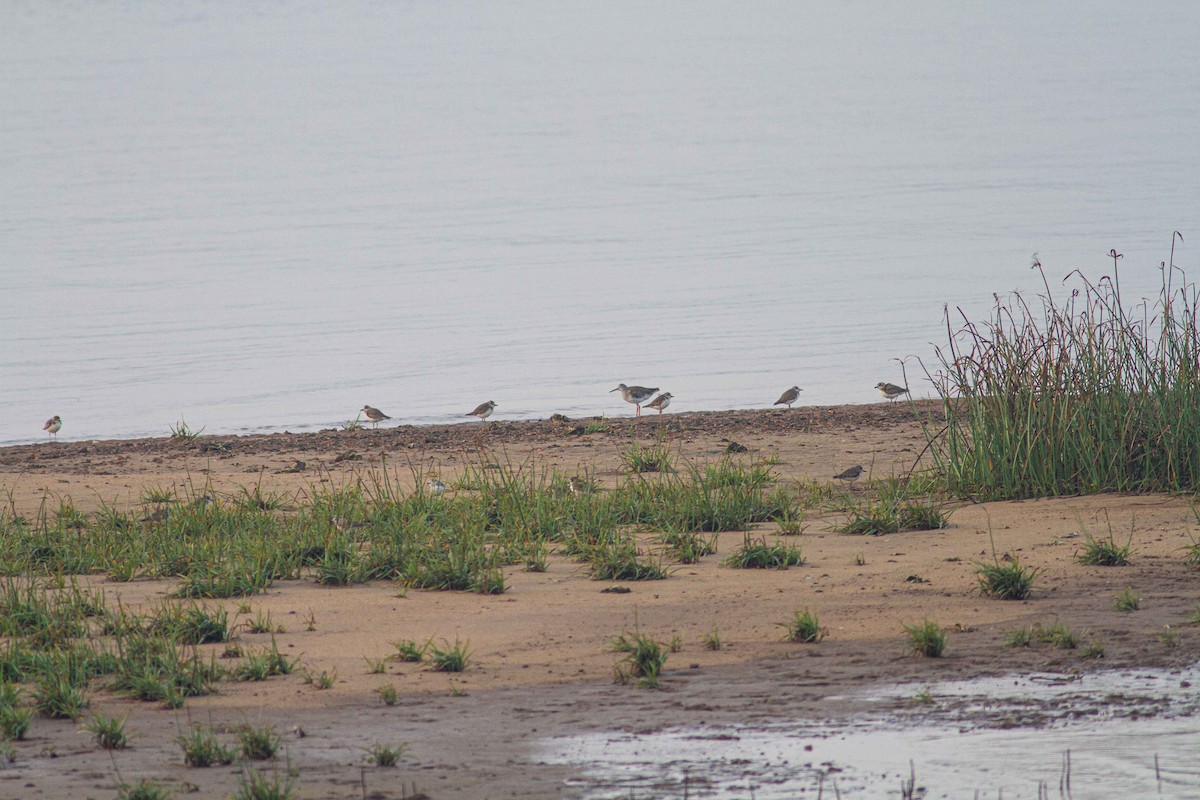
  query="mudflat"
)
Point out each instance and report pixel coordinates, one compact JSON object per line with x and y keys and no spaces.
{"x":541,"y":657}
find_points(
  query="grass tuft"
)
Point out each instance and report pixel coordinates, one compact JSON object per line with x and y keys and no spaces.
{"x":804,"y":627}
{"x":643,"y":658}
{"x":1005,"y":580}
{"x":926,"y":639}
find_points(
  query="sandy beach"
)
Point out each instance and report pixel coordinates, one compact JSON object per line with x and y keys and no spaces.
{"x":541,"y":658}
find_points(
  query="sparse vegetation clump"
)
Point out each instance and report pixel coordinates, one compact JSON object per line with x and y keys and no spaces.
{"x":449,"y":657}
{"x":1104,"y":553}
{"x":757,"y":554}
{"x":1005,"y":580}
{"x":804,"y":627}
{"x":1128,"y":600}
{"x":926,"y":639}
{"x":643,"y":658}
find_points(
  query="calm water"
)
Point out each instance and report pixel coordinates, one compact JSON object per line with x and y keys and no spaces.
{"x":261,"y":216}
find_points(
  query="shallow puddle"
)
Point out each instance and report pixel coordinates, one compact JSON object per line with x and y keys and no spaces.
{"x":1106,"y":735}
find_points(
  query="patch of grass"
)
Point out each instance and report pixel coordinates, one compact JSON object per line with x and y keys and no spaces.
{"x":638,"y":459}
{"x":1005,"y":580}
{"x":382,"y":755}
{"x":624,"y":564}
{"x":261,"y":623}
{"x":388,"y":694}
{"x":14,"y":721}
{"x":757,"y":554}
{"x":324,"y":679}
{"x":409,"y":650}
{"x":804,"y":627}
{"x":872,"y":520}
{"x":191,"y":624}
{"x":109,"y":732}
{"x":202,"y":748}
{"x":792,"y":524}
{"x":258,"y":744}
{"x":688,"y":547}
{"x":1104,"y":553}
{"x":255,"y":785}
{"x":1128,"y":600}
{"x":1093,"y":649}
{"x":643,"y":658}
{"x":1058,"y":635}
{"x":56,"y":697}
{"x":598,"y":425}
{"x":923,"y":516}
{"x":153,"y":495}
{"x":1016,"y":386}
{"x":712,"y":640}
{"x":450,"y":658}
{"x":180,"y":431}
{"x":926,"y":639}
{"x":143,"y":789}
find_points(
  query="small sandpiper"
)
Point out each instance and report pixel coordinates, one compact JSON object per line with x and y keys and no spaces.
{"x":375,"y":415}
{"x":483,"y":410}
{"x":789,"y":397}
{"x":850,"y":475}
{"x":435,"y":486}
{"x":53,"y":426}
{"x":660,"y":402}
{"x":634,"y":394}
{"x":890,"y":390}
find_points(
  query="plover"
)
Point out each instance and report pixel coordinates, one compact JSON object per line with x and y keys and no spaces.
{"x":483,"y":410}
{"x":661,"y":402}
{"x":375,"y":415}
{"x":789,"y":397}
{"x":53,"y":426}
{"x":850,"y":475}
{"x":435,"y":486}
{"x":634,"y":394}
{"x":890,"y":390}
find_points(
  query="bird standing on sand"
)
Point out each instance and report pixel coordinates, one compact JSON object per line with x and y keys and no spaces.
{"x":435,"y":486}
{"x":661,"y":402}
{"x":850,"y":475}
{"x":890,"y":390}
{"x":634,"y":394}
{"x":375,"y":415}
{"x":483,"y":410}
{"x":789,"y":397}
{"x":53,"y":426}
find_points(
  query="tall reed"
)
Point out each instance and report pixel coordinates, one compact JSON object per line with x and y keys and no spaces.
{"x":1074,"y":394}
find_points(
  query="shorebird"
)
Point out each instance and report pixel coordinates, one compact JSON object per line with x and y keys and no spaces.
{"x":53,"y":426}
{"x":789,"y":397}
{"x":483,"y":410}
{"x":634,"y":394}
{"x":661,"y":402}
{"x":375,"y":415}
{"x":850,"y":475}
{"x":435,"y":486}
{"x":890,"y":390}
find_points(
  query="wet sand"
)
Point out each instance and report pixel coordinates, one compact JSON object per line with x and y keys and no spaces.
{"x":541,"y":662}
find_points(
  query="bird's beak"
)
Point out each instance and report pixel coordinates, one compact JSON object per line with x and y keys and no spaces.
{"x":610,"y":391}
